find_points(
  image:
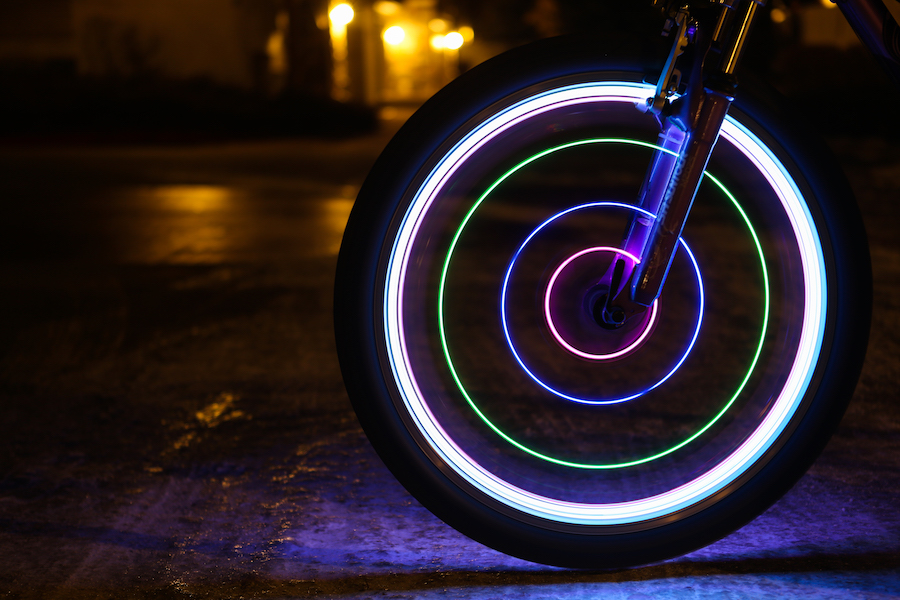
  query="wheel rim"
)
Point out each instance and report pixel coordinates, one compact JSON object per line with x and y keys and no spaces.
{"x":437,"y":433}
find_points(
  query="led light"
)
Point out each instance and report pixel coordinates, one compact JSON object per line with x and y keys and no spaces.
{"x":706,"y":483}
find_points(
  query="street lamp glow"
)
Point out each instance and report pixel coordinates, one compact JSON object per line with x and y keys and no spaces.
{"x":394,"y":36}
{"x":341,"y":15}
{"x":453,"y":40}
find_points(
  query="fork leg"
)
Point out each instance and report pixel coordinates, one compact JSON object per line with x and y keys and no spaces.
{"x":696,"y":118}
{"x":675,"y":203}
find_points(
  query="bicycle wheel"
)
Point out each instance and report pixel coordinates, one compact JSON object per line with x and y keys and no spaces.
{"x":464,"y":306}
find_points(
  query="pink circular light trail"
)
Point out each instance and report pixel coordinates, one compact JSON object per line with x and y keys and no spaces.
{"x":552,"y":326}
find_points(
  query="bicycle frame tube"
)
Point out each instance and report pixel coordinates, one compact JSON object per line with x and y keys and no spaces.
{"x":877,"y":29}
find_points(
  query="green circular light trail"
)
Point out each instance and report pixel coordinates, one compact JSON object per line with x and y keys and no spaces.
{"x":443,"y":281}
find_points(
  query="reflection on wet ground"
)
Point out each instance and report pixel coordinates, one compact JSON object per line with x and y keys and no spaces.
{"x":175,"y":424}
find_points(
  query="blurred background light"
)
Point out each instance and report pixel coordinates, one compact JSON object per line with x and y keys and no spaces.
{"x":438,"y":25}
{"x":341,"y":15}
{"x":394,"y":36}
{"x":387,"y":8}
{"x":453,"y":40}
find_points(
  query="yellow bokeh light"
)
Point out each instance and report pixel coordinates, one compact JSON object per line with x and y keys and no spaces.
{"x":341,"y":15}
{"x":386,"y":8}
{"x":437,"y":42}
{"x":394,"y":36}
{"x":467,"y":33}
{"x":438,"y":25}
{"x":453,"y":40}
{"x":828,"y":3}
{"x":778,"y":15}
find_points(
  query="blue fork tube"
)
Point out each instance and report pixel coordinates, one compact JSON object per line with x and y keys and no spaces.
{"x":680,"y":187}
{"x":670,"y":141}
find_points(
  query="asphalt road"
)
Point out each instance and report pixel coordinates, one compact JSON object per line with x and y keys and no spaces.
{"x":174,"y":424}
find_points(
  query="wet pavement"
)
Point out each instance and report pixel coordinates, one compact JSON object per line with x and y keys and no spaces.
{"x":174,"y":423}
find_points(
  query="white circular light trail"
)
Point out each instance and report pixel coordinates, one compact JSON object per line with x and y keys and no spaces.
{"x":704,"y":485}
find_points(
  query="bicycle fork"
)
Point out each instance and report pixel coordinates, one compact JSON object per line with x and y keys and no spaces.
{"x":689,"y":127}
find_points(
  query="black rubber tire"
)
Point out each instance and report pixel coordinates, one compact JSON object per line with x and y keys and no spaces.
{"x":368,"y":380}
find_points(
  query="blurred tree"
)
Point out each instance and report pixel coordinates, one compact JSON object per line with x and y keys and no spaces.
{"x":518,"y":21}
{"x":308,"y":48}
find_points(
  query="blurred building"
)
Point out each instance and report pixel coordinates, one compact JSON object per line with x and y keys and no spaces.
{"x":394,"y":51}
{"x":367,"y":51}
{"x":219,"y":40}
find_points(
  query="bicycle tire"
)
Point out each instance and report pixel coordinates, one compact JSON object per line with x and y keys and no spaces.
{"x":526,"y":491}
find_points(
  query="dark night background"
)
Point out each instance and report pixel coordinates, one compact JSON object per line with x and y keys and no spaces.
{"x":174,"y":182}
